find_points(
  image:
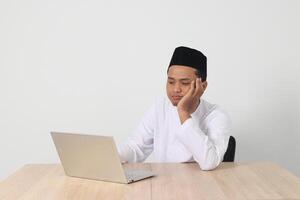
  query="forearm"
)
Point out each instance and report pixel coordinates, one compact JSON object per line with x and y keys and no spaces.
{"x":204,"y":151}
{"x":131,"y":151}
{"x":183,"y":116}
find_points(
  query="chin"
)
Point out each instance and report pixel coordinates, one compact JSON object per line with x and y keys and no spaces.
{"x":174,"y":103}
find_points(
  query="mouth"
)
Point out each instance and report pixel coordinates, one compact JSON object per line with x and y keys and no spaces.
{"x":176,"y":98}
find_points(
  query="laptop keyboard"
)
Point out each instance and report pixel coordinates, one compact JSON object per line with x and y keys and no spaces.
{"x":133,"y":175}
{"x":129,"y":175}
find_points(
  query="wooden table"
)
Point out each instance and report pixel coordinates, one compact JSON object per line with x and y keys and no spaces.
{"x":257,"y":180}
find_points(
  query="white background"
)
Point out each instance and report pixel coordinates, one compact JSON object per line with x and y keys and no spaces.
{"x":96,"y":67}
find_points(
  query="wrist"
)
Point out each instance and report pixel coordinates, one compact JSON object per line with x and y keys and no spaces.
{"x":182,"y":111}
{"x":183,"y":116}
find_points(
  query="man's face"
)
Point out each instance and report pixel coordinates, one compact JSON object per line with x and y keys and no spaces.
{"x":179,"y":82}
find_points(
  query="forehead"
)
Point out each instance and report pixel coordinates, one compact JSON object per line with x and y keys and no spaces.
{"x":179,"y":71}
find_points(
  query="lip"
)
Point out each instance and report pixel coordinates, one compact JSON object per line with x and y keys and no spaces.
{"x":176,"y":97}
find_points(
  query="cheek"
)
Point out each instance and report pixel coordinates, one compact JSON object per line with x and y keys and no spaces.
{"x":185,"y":89}
{"x":168,"y":88}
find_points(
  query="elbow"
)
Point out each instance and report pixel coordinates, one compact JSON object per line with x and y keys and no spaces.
{"x":209,"y":161}
{"x":208,"y":165}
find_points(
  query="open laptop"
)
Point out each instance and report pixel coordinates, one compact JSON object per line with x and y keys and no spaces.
{"x":93,"y":157}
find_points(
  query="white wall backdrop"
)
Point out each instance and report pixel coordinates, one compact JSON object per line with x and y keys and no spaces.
{"x":96,"y":66}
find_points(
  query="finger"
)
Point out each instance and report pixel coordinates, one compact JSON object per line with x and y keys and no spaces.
{"x":192,"y":88}
{"x":199,"y":88}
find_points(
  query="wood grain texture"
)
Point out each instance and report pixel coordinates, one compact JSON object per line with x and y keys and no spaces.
{"x":257,"y":180}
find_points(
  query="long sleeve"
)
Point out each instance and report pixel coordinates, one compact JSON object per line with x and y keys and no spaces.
{"x":207,"y":148}
{"x":140,"y":145}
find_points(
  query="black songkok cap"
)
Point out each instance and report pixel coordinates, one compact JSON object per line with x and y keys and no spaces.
{"x":191,"y":58}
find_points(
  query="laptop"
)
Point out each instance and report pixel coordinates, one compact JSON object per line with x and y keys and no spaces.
{"x":93,"y":157}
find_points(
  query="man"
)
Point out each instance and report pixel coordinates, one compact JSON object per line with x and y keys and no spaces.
{"x":181,"y":127}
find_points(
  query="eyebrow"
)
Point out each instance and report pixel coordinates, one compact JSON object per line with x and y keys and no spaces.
{"x":182,"y":79}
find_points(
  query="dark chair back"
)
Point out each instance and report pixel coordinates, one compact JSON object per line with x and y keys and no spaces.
{"x":230,"y":152}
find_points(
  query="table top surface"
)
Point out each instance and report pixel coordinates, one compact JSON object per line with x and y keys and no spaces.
{"x":255,"y":180}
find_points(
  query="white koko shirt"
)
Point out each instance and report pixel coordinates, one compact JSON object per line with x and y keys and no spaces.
{"x":202,"y":138}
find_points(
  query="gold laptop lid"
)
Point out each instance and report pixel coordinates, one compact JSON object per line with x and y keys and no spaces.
{"x":89,"y":156}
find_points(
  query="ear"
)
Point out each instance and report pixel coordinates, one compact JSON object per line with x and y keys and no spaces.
{"x":204,"y":85}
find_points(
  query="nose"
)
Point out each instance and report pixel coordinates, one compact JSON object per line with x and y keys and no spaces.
{"x":177,"y":88}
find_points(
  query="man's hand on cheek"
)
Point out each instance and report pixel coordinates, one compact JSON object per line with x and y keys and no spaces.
{"x":188,"y":104}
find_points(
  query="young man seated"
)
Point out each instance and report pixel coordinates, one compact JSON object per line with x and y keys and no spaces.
{"x":181,"y":127}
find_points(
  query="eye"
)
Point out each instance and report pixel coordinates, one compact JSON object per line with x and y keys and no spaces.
{"x":185,"y":83}
{"x":170,"y":82}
